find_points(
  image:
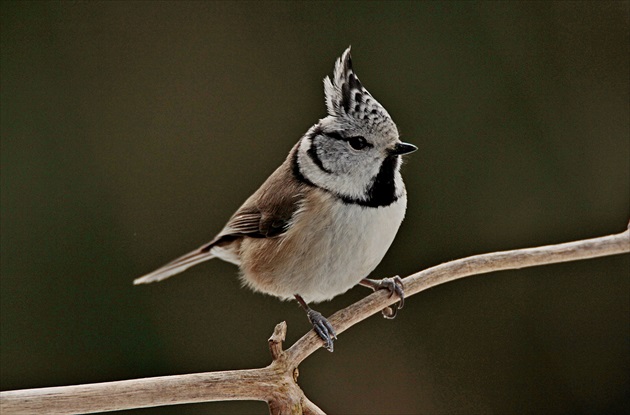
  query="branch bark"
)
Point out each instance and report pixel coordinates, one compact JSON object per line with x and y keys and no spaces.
{"x":277,"y":383}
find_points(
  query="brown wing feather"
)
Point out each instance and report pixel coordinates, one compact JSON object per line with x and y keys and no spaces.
{"x":268,"y":212}
{"x":265,"y":214}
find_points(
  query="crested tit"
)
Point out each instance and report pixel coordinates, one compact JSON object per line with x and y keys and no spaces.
{"x":326,"y":217}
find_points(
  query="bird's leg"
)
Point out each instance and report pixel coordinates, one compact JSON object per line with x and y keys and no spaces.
{"x":321,"y":326}
{"x":394,"y":285}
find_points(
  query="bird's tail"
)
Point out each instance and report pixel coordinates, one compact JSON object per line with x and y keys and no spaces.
{"x":176,"y":266}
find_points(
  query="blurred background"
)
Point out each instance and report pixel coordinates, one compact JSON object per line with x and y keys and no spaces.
{"x":131,"y":131}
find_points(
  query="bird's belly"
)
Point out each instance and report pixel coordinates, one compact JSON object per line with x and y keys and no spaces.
{"x":325,"y":252}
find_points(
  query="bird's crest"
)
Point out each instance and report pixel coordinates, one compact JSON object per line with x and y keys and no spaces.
{"x":346,"y":96}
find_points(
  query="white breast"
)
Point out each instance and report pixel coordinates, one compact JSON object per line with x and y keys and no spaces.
{"x":361,"y":237}
{"x":329,"y":248}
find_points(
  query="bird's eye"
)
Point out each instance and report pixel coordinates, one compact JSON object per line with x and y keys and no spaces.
{"x":358,"y":142}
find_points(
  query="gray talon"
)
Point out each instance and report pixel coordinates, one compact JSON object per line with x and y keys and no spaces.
{"x":395,"y":286}
{"x":323,"y":328}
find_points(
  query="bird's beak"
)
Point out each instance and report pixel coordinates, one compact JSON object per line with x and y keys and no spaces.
{"x":402,"y":148}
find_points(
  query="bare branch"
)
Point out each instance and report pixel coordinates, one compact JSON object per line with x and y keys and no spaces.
{"x":465,"y":267}
{"x":277,"y":383}
{"x":138,"y":393}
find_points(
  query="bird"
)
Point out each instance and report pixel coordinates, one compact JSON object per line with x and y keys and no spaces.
{"x":324,"y":219}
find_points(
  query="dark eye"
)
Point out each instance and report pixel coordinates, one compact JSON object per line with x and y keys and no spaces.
{"x":358,"y":142}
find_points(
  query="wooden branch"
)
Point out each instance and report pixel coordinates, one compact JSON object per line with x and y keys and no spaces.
{"x":277,"y":383}
{"x":465,"y":267}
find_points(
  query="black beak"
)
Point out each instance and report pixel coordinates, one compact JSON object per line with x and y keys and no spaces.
{"x":402,"y":148}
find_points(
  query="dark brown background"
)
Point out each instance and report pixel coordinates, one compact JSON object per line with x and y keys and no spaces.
{"x":131,"y":132}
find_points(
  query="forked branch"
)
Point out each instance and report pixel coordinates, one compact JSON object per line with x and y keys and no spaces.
{"x":277,"y":383}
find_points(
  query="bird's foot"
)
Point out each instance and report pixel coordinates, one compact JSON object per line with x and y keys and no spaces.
{"x":395,"y":286}
{"x":323,"y":328}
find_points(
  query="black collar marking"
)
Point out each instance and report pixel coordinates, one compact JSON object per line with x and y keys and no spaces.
{"x":381,"y":193}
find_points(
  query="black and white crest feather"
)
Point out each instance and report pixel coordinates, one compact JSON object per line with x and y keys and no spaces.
{"x":347,"y":98}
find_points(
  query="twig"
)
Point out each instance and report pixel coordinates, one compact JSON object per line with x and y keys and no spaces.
{"x":277,"y":383}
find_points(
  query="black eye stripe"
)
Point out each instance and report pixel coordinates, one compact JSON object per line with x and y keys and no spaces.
{"x":335,"y":135}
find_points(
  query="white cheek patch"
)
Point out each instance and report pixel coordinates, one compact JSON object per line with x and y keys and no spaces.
{"x":335,"y":182}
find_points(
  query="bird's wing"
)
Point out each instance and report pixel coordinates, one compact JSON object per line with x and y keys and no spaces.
{"x":266,"y":214}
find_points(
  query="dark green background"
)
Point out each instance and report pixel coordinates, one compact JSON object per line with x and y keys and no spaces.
{"x":132,"y":131}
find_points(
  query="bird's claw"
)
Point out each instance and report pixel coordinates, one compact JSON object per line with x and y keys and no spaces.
{"x":395,"y":286}
{"x":323,"y":328}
